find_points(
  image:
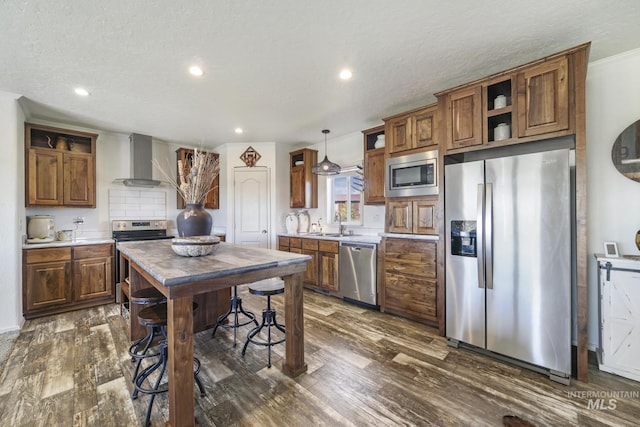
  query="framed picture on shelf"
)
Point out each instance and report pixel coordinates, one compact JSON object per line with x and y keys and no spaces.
{"x":611,"y":250}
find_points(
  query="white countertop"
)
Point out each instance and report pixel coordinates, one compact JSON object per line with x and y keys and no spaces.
{"x":411,"y":236}
{"x":369,"y":238}
{"x":625,"y":261}
{"x":59,"y":243}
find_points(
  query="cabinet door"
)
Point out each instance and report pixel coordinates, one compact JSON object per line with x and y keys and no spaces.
{"x":411,"y":296}
{"x":374,"y":177}
{"x":48,"y":284}
{"x":400,"y":217}
{"x":45,"y":178}
{"x":543,"y":98}
{"x":311,"y":274}
{"x":93,"y":278}
{"x":400,"y":135}
{"x":464,"y":121}
{"x":213,"y":197}
{"x":79,"y":180}
{"x":297,"y":196}
{"x":425,"y":217}
{"x":425,"y":127}
{"x":328,"y":271}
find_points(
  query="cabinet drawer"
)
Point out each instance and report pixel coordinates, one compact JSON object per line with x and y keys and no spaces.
{"x":47,"y":255}
{"x":295,"y":242}
{"x":92,"y":251}
{"x":328,"y":246}
{"x":415,"y":297}
{"x":414,"y":257}
{"x":283,"y":241}
{"x":310,"y":244}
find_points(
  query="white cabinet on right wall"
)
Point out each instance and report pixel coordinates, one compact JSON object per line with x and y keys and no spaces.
{"x":619,"y":316}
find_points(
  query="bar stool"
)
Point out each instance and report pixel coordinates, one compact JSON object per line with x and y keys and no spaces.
{"x":155,"y":316}
{"x":268,"y":288}
{"x":235,"y":309}
{"x":139,"y":350}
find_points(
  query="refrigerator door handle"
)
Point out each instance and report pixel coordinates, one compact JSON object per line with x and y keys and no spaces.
{"x":480,"y":235}
{"x":488,"y":235}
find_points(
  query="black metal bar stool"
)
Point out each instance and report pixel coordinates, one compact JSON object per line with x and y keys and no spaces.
{"x":235,"y":309}
{"x":155,"y":316}
{"x":268,"y":288}
{"x":139,"y":350}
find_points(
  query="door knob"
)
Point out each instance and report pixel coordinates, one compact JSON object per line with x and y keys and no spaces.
{"x":264,"y":231}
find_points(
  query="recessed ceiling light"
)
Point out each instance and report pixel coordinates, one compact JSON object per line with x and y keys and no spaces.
{"x":81,"y":91}
{"x":238,"y":130}
{"x":346,"y":74}
{"x":196,"y":71}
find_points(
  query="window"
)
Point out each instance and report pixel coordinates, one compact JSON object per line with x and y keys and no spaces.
{"x":344,"y":194}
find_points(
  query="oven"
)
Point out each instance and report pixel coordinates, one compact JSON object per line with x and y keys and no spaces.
{"x":131,"y":231}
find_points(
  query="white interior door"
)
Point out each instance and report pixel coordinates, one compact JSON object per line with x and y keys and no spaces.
{"x":251,"y":207}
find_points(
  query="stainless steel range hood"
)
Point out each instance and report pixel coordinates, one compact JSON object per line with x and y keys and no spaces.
{"x":141,"y":165}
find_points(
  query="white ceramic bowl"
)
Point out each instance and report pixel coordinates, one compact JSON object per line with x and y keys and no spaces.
{"x":195,"y":245}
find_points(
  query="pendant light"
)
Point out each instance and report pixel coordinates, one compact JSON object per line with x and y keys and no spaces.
{"x":325,"y":167}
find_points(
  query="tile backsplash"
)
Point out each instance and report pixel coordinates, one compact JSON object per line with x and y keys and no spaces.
{"x":137,"y":204}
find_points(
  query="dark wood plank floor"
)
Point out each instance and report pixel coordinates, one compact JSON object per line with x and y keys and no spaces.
{"x":365,"y":368}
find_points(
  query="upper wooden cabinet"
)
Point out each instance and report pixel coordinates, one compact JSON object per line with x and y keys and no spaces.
{"x":412,"y":130}
{"x":526,"y":103}
{"x":464,"y":118}
{"x":304,"y":184}
{"x":373,"y":166}
{"x":213,"y":197}
{"x":419,"y":216}
{"x":60,"y":167}
{"x":543,"y":98}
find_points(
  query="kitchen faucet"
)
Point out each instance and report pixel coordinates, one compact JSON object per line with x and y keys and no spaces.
{"x":338,"y":218}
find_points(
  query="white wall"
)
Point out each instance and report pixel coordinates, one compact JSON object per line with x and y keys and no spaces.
{"x":11,"y":211}
{"x":613,"y":103}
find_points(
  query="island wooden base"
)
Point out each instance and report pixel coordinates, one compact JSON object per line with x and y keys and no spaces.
{"x":157,"y":265}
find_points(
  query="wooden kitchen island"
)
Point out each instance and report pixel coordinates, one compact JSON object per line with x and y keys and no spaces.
{"x":181,"y":278}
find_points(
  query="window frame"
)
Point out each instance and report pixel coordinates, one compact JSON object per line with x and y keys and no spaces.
{"x":331,"y":199}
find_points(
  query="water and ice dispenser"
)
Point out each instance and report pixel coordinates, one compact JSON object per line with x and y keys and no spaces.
{"x":463,"y":238}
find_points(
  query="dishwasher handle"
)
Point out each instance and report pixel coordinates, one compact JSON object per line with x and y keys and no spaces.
{"x":357,"y":245}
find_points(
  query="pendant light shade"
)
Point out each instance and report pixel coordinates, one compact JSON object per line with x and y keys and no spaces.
{"x":325,"y":167}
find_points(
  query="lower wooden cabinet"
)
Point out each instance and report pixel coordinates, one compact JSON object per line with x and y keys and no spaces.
{"x":322,"y":269}
{"x":328,"y":265}
{"x":68,"y":278}
{"x":410,"y":281}
{"x":93,"y":272}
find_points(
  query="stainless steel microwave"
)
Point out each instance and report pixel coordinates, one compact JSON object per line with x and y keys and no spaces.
{"x":412,"y":175}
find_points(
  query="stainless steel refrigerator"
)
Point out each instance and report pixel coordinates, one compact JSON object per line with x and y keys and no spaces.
{"x":508,"y":262}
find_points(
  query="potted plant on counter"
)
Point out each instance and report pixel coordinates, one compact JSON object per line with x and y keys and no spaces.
{"x":193,"y":184}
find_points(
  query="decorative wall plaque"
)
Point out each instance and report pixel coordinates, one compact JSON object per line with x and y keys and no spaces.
{"x":250,"y":157}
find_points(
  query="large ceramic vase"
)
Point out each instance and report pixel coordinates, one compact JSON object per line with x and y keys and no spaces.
{"x":194,"y":220}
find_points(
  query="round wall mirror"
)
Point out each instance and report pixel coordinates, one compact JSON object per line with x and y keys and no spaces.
{"x":626,"y":152}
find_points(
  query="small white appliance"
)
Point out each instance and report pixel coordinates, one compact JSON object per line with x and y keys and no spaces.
{"x":40,"y":229}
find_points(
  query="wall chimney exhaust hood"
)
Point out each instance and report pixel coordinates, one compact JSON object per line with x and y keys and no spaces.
{"x":141,"y":165}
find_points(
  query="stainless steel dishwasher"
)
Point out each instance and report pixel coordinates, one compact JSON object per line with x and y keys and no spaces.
{"x":358,"y":272}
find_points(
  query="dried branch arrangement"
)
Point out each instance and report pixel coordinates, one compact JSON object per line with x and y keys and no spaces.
{"x":194,"y":177}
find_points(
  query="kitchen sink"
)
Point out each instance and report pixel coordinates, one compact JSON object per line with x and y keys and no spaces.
{"x":330,"y":234}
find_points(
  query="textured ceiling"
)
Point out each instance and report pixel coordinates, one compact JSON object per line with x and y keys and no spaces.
{"x":271,"y":66}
